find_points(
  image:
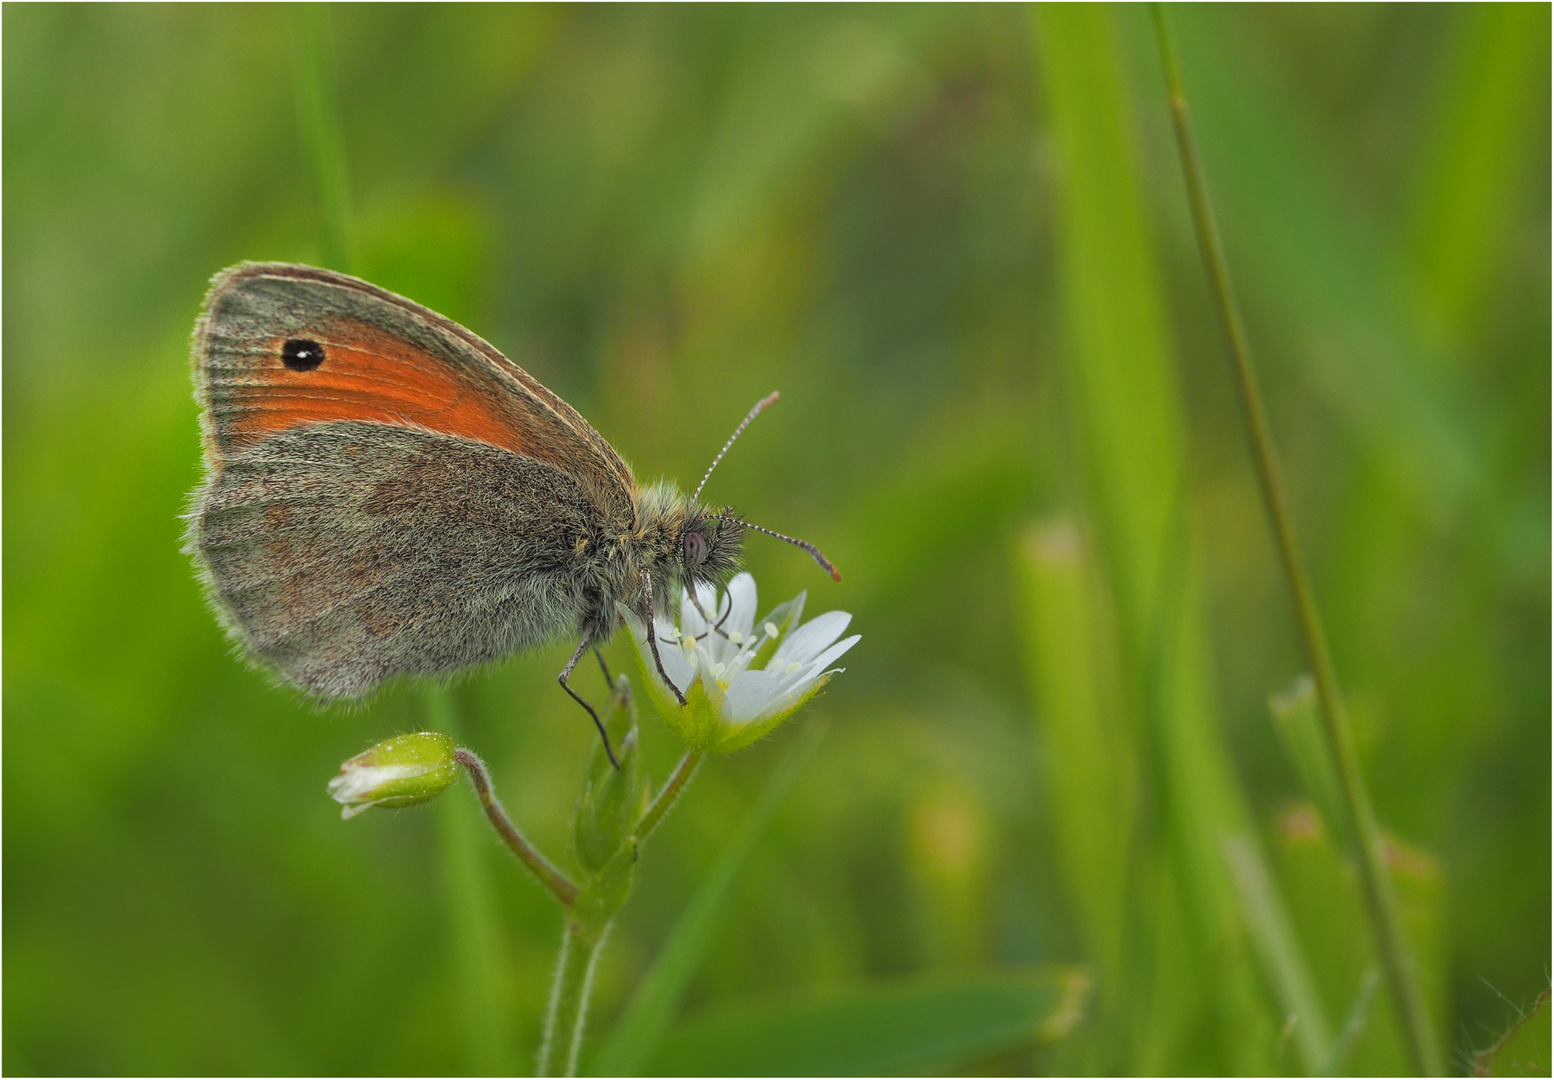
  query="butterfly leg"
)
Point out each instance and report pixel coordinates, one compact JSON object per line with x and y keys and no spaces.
{"x":566,"y":672}
{"x":604,"y":668}
{"x":652,"y":636}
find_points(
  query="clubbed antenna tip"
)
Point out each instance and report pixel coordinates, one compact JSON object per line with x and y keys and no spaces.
{"x":825,"y":564}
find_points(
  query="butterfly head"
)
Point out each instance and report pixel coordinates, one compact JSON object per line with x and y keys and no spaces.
{"x":711,"y":545}
{"x":702,"y":544}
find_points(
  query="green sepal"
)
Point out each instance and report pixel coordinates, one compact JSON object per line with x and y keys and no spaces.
{"x":402,"y":771}
{"x":738,"y":736}
{"x":697,"y":723}
{"x":607,"y":808}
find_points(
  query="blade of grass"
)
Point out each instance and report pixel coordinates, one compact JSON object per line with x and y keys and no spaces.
{"x":1299,"y":725}
{"x":1317,"y":268}
{"x":647,"y":1016}
{"x":1354,"y":1024}
{"x":1378,"y":887}
{"x":1279,"y":950}
{"x":1122,"y":383}
{"x":1474,"y":162}
{"x":321,"y":138}
{"x":882,"y":1029}
{"x":483,"y":1009}
{"x":1086,"y":747}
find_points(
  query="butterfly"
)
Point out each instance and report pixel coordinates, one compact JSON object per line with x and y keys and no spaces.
{"x":385,"y":494}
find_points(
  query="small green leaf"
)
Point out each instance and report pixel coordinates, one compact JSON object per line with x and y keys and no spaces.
{"x":915,"y":1025}
{"x":603,"y":895}
{"x":1278,"y":949}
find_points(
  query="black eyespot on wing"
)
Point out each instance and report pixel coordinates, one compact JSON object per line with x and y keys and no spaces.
{"x":300,"y":354}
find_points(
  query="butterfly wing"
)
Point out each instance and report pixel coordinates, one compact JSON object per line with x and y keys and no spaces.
{"x":386,"y":493}
{"x":344,"y":553}
{"x":280,"y":345}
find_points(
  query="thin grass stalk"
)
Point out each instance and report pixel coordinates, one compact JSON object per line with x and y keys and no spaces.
{"x":473,"y":918}
{"x":1380,"y":901}
{"x":321,"y":138}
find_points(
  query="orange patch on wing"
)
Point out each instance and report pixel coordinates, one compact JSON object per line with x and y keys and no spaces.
{"x":367,"y":374}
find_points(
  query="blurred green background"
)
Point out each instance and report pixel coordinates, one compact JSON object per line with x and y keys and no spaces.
{"x":956,"y":239}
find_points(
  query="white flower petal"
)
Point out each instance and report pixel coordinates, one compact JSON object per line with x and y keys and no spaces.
{"x":741,"y":660}
{"x":720,"y":648}
{"x":807,"y":642}
{"x":825,"y":659}
{"x":709,"y":681}
{"x":750,"y":695}
{"x":741,"y":594}
{"x":676,"y":666}
{"x":716,"y":641}
{"x":691,"y":622}
{"x":360,"y":780}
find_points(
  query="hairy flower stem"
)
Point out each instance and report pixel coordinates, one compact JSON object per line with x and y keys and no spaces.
{"x":682,"y":776}
{"x":1380,"y":901}
{"x":569,"y":996}
{"x":541,"y":867}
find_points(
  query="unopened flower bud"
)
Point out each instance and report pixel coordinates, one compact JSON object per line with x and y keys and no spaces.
{"x":401,"y":771}
{"x":606,"y":809}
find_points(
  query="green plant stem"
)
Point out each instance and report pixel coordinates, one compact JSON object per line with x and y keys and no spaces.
{"x":583,"y":938}
{"x":1379,"y":898}
{"x":538,"y":865}
{"x":321,"y":138}
{"x":569,"y":995}
{"x":638,"y":1030}
{"x":682,"y":776}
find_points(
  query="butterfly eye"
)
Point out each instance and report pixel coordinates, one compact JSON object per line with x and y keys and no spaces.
{"x":695,"y":548}
{"x":300,"y":354}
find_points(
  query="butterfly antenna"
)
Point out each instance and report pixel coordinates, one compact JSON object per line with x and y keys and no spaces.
{"x":825,"y":563}
{"x":767,"y":401}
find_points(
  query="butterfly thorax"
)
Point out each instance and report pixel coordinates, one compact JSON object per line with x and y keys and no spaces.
{"x":676,"y":541}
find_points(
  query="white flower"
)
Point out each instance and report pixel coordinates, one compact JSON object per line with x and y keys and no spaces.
{"x":741,"y":678}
